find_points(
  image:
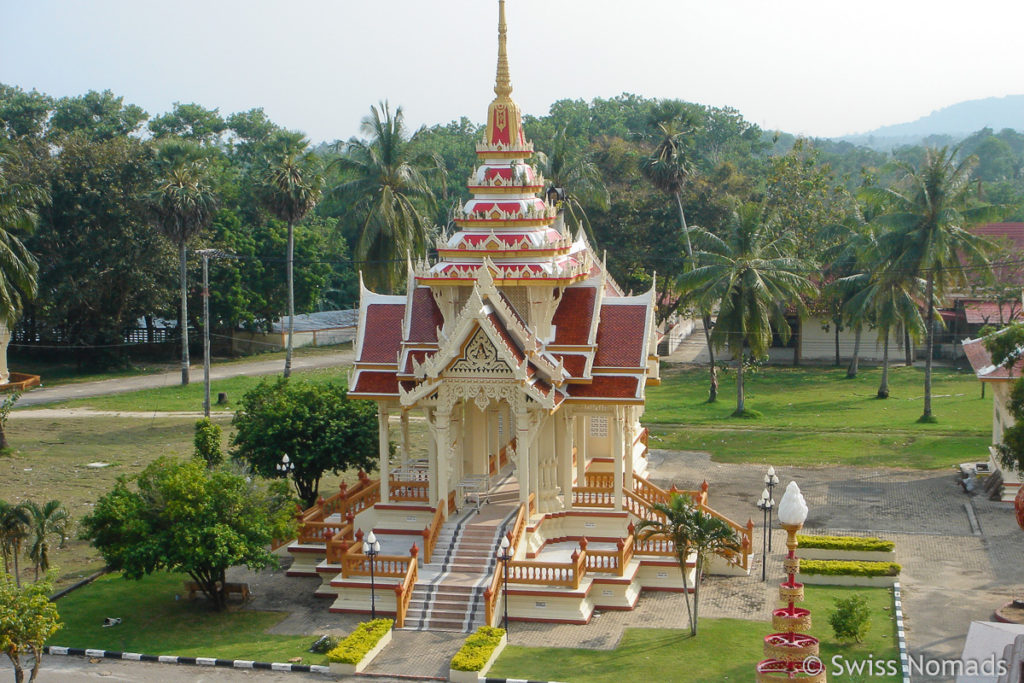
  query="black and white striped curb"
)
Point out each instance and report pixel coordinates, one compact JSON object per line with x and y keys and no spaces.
{"x":198,"y":661}
{"x":901,"y":636}
{"x":512,"y":680}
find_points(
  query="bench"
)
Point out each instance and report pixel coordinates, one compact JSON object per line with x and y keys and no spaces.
{"x":239,"y":589}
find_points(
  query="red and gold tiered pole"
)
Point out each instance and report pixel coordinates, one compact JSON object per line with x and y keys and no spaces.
{"x":791,"y":653}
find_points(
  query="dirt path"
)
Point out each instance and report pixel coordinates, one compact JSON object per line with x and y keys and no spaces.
{"x":65,"y":392}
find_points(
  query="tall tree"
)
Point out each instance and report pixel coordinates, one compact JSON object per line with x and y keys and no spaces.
{"x":290,"y":187}
{"x":669,"y":166}
{"x":571,"y":169}
{"x":751,"y":275}
{"x":389,"y":192}
{"x":183,"y":205}
{"x":692,"y":531}
{"x":28,"y":619}
{"x":931,"y":212}
{"x":14,"y":529}
{"x":19,"y":201}
{"x":183,"y":517}
{"x":46,"y":521}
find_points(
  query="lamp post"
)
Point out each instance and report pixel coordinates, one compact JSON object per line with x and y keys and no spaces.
{"x":371,"y":548}
{"x":207,"y":254}
{"x":765,"y":505}
{"x":285,"y":466}
{"x":771,"y":480}
{"x":790,"y":653}
{"x":504,"y":557}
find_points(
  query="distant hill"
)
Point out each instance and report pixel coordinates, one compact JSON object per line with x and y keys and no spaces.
{"x":955,"y":121}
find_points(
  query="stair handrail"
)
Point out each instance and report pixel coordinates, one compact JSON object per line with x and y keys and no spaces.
{"x":403,"y":591}
{"x":493,"y":592}
{"x":745,"y":533}
{"x":569,"y":574}
{"x":433,"y":531}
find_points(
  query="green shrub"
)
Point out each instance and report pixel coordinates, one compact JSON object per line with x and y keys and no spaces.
{"x":869,"y":543}
{"x":366,"y":636}
{"x":851,"y":619}
{"x":324,"y":644}
{"x":477,"y":649}
{"x":849,"y":568}
{"x":207,"y":442}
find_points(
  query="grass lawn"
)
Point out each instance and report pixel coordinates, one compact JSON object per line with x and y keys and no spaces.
{"x":815,"y":416}
{"x":724,"y":649}
{"x":154,"y":622}
{"x":190,"y":398}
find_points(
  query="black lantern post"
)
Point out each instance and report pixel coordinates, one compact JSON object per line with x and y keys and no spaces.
{"x":371,"y":548}
{"x":505,"y":557}
{"x":765,"y":505}
{"x":771,"y":480}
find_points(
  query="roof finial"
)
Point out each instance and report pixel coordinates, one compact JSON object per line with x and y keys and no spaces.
{"x":503,"y":81}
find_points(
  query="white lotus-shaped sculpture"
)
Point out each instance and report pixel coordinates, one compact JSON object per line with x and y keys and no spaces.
{"x":793,"y":508}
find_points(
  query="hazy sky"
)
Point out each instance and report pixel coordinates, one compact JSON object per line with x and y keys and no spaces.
{"x":817,"y":67}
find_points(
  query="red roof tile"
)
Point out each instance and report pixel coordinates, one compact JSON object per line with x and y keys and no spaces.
{"x":574,"y":315}
{"x":981,"y":362}
{"x":425,"y":318}
{"x":505,"y":337}
{"x":574,"y":363}
{"x":383,"y":335}
{"x":978,"y":312}
{"x":1007,"y":233}
{"x":620,"y":337}
{"x":375,"y":382}
{"x":419,"y":355}
{"x":606,"y":386}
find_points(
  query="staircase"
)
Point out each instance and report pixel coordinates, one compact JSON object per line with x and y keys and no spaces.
{"x":449,"y":593}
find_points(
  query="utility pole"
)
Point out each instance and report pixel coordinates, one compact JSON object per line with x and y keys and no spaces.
{"x":206,"y":254}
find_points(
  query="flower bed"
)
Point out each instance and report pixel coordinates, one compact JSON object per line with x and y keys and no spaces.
{"x":477,"y":654}
{"x":861,"y":543}
{"x":849,"y":568}
{"x":355,"y":652}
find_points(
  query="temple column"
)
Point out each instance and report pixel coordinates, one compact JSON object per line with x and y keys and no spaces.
{"x":432,"y":469}
{"x":442,"y":424}
{"x":582,"y":425}
{"x":459,"y":437}
{"x":617,"y":438}
{"x":568,"y":427}
{"x":405,"y":439}
{"x":628,"y":445}
{"x":384,"y":467}
{"x":523,"y":452}
{"x":493,"y":442}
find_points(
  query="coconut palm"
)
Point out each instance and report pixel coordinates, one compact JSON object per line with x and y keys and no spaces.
{"x":183,"y":205}
{"x":385,"y":182}
{"x":930,"y":216}
{"x":750,"y":274}
{"x":45,"y":521}
{"x":669,"y":167}
{"x":18,"y":268}
{"x":692,"y":531}
{"x":291,"y":185}
{"x":572,"y":170}
{"x":14,"y":525}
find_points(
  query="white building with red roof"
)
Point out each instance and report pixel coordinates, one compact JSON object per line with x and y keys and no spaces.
{"x":529,"y":366}
{"x":1000,"y":379}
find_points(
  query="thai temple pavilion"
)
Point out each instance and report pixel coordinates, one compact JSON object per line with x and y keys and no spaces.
{"x":528,"y":365}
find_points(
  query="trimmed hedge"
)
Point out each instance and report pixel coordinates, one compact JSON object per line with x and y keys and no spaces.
{"x":359,"y":642}
{"x":849,"y":568}
{"x":868,"y":543}
{"x":477,"y":649}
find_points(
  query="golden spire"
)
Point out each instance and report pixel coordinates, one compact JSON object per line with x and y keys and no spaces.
{"x":503,"y":81}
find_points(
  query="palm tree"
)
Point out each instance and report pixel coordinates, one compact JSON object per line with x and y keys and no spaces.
{"x":673,"y":520}
{"x":183,"y":206}
{"x":753,"y":279}
{"x":389,"y":193}
{"x":18,"y":268}
{"x":46,"y":521}
{"x":692,"y":531}
{"x":578,"y":176}
{"x":291,"y":186}
{"x":14,"y":526}
{"x":930,"y":215}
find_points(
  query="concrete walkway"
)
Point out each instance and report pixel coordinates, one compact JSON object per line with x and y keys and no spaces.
{"x":120,"y":385}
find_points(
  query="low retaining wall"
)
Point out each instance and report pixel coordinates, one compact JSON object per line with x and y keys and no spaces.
{"x":861,"y":555}
{"x":830,"y":580}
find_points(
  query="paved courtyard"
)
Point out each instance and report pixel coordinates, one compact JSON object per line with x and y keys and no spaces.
{"x":951,"y":574}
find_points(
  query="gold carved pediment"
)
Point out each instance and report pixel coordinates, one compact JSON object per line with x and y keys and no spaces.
{"x":479,"y":358}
